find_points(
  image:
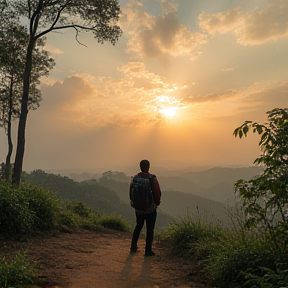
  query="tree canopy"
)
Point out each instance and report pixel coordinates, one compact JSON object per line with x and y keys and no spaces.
{"x":14,"y":39}
{"x":44,"y":16}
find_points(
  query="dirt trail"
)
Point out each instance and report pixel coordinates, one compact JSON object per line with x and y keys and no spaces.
{"x":85,"y":259}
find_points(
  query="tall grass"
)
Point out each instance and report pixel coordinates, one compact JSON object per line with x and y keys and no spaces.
{"x":27,"y":209}
{"x":229,"y":256}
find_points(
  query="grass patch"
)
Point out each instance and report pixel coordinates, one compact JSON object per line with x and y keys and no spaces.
{"x":115,"y":222}
{"x":229,"y":257}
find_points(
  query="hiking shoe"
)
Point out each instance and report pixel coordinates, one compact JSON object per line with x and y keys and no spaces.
{"x":133,"y":249}
{"x":149,"y":253}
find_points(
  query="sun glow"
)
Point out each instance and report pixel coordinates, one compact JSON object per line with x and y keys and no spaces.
{"x":168,"y":111}
{"x":167,"y":106}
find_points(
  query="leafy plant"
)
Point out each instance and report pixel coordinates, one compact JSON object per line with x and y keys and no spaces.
{"x":17,"y":271}
{"x":265,"y":197}
{"x":43,"y":204}
{"x":271,"y":278}
{"x":15,"y":214}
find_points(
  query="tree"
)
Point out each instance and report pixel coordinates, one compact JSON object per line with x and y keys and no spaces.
{"x":265,"y":197}
{"x":13,"y":41}
{"x":45,"y":16}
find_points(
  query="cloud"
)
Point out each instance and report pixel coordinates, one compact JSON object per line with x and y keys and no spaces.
{"x":255,"y":27}
{"x":268,"y":97}
{"x":220,"y":22}
{"x":53,"y":50}
{"x":211,"y":97}
{"x":97,"y":101}
{"x":163,"y":35}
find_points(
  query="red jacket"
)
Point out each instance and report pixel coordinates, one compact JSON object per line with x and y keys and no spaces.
{"x":156,"y":188}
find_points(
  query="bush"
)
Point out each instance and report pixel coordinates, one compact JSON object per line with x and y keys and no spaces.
{"x":15,"y":214}
{"x":26,"y":208}
{"x":19,"y":270}
{"x":228,"y":257}
{"x":184,"y":232}
{"x":233,"y":257}
{"x":115,"y":222}
{"x":271,"y":278}
{"x":79,"y":208}
{"x":43,"y":204}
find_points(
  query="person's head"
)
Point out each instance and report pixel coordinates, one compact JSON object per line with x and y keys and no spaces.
{"x":144,"y":165}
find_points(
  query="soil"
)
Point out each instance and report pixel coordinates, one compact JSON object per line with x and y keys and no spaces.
{"x":87,"y":259}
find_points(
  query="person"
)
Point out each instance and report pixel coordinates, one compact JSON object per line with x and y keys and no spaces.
{"x":150,"y":216}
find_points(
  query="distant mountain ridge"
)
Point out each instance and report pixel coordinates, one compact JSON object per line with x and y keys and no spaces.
{"x":215,"y":183}
{"x":198,"y":192}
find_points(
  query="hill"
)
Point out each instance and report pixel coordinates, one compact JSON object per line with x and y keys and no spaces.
{"x":91,"y":193}
{"x":174,"y":203}
{"x":215,"y":184}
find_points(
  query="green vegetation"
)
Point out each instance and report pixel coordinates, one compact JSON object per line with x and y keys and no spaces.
{"x":26,"y":209}
{"x":18,"y":270}
{"x":106,"y":196}
{"x":229,"y":257}
{"x":115,"y":222}
{"x":254,"y":251}
{"x":30,"y":208}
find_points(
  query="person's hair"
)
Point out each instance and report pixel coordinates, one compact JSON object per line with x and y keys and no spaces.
{"x":144,"y":165}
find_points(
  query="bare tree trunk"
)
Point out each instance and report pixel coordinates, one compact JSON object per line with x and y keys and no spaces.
{"x":18,"y":164}
{"x":9,"y":137}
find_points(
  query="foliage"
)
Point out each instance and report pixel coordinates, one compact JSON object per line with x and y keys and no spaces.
{"x":14,"y":39}
{"x":29,"y":208}
{"x":43,"y":204}
{"x":15,"y":214}
{"x":43,"y":17}
{"x":90,"y":193}
{"x":231,"y":257}
{"x":115,"y":222}
{"x":265,"y":197}
{"x":227,"y":256}
{"x":187,"y":230}
{"x":26,"y":209}
{"x":19,"y":270}
{"x":271,"y":279}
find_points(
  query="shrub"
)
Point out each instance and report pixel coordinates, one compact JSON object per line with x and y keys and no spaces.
{"x":115,"y":222}
{"x":234,"y":256}
{"x":271,"y":278}
{"x":43,"y":204}
{"x":15,"y":214}
{"x":184,"y":232}
{"x":79,"y":208}
{"x":19,"y":270}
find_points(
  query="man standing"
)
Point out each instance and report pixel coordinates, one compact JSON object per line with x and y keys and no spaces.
{"x":148,"y":215}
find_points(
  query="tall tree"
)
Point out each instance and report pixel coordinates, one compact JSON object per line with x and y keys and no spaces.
{"x":44,"y":16}
{"x":13,"y":42}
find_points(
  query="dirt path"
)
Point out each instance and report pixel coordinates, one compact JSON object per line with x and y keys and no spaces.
{"x":85,"y":259}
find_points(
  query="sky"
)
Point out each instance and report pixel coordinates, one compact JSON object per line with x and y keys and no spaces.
{"x":183,"y":75}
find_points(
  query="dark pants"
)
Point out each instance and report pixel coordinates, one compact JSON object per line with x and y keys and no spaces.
{"x":150,"y":224}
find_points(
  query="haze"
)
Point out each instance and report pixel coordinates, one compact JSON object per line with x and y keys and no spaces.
{"x":178,"y":82}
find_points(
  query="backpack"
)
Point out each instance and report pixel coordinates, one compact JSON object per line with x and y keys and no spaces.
{"x":141,"y":194}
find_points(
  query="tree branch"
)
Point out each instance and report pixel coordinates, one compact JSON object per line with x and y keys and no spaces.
{"x":75,"y":26}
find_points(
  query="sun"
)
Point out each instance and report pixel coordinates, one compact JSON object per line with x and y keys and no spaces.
{"x":167,"y":106}
{"x":168,"y":111}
